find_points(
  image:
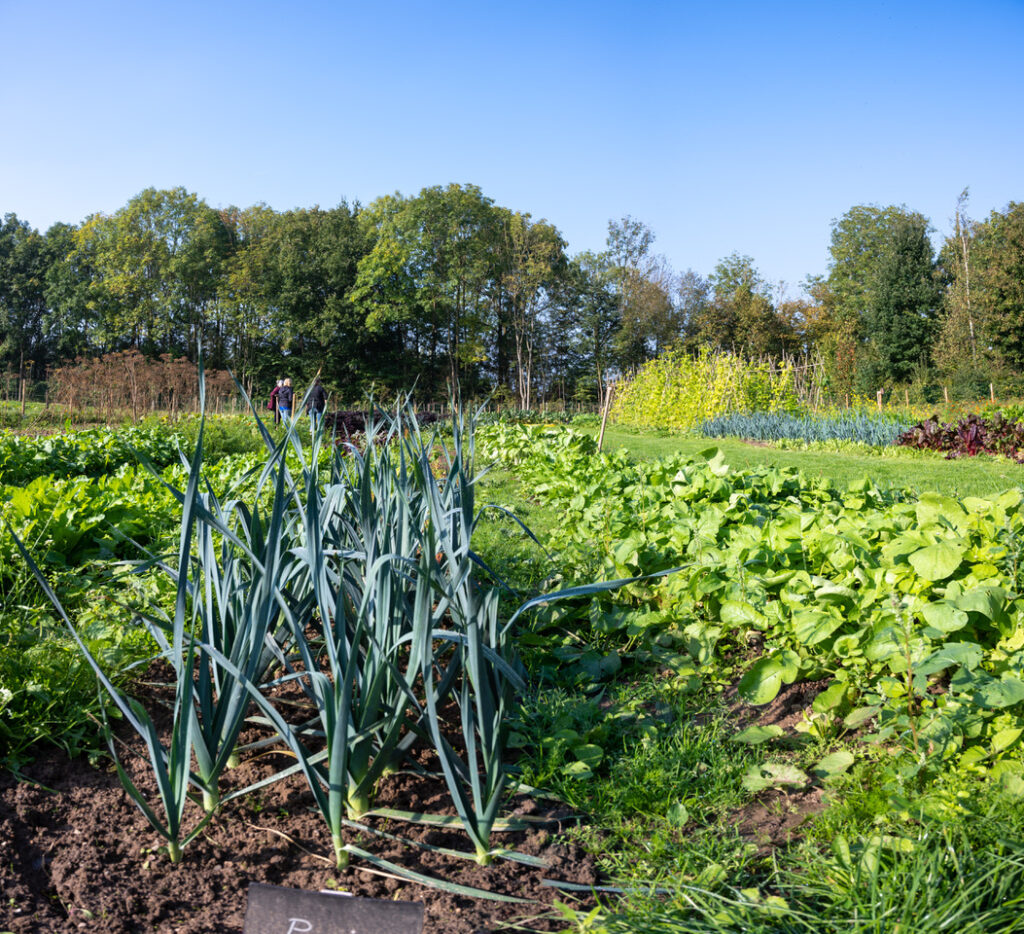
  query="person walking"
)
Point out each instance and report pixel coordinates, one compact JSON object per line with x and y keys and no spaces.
{"x":272,"y":404}
{"x":284,"y":400}
{"x":316,"y":404}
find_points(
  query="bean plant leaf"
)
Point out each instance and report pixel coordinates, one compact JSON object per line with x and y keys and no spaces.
{"x":756,"y":734}
{"x":944,"y":616}
{"x":678,"y":814}
{"x":834,"y":765}
{"x":860,"y":716}
{"x":771,"y":774}
{"x":937,"y":562}
{"x":952,"y":655}
{"x":589,"y":754}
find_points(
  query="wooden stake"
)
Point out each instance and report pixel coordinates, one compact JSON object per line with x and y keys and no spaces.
{"x":604,"y":417}
{"x":878,"y":396}
{"x":906,"y":396}
{"x":945,"y":394}
{"x":992,"y":392}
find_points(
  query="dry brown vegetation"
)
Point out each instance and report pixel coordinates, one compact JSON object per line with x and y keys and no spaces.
{"x":128,"y":381}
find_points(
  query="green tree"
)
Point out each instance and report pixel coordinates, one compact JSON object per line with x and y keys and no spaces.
{"x":645,"y":284}
{"x":532,"y":258}
{"x":997,"y":251}
{"x":964,"y":350}
{"x":593,"y":316}
{"x":24,"y":260}
{"x":740,"y":315}
{"x":309,"y":265}
{"x":901,"y":318}
{"x":430,"y":272}
{"x":156,"y":267}
{"x":862,"y":241}
{"x":70,"y":325}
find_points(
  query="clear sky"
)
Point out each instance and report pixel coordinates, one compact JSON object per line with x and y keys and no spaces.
{"x":725,"y":127}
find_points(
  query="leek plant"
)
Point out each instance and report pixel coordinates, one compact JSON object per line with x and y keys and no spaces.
{"x":228,"y":595}
{"x":170,"y":763}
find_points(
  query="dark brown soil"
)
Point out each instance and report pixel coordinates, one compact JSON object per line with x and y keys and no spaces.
{"x":776,"y":818}
{"x":785,"y":711}
{"x":77,"y":855}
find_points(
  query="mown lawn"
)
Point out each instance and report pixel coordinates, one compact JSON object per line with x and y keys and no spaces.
{"x":981,"y":476}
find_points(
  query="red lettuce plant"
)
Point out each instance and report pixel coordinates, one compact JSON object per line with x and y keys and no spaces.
{"x":968,"y":437}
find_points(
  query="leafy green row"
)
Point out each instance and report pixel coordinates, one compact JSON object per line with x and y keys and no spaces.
{"x":910,"y":610}
{"x":87,"y":452}
{"x":81,"y":530}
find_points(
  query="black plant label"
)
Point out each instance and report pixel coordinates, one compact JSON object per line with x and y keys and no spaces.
{"x":276,"y":910}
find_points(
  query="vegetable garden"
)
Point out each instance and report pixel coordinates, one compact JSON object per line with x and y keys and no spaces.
{"x":495,"y":669}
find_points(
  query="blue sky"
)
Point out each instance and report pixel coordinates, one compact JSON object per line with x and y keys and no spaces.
{"x":725,"y":127}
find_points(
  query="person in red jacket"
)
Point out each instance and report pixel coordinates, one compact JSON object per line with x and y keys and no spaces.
{"x":272,"y":404}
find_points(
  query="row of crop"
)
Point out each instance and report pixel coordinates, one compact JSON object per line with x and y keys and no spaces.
{"x":968,"y":437}
{"x":910,"y":610}
{"x":994,"y":434}
{"x":349,"y":575}
{"x":87,"y":534}
{"x":87,"y":452}
{"x":844,"y":425}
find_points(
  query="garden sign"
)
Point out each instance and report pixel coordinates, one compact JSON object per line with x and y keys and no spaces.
{"x":276,"y":910}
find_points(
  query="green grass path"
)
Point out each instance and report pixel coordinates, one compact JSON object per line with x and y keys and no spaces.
{"x":967,"y":477}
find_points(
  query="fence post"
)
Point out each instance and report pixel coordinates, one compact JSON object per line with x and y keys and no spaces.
{"x":906,"y":396}
{"x":992,"y":391}
{"x":878,"y":396}
{"x":945,"y":394}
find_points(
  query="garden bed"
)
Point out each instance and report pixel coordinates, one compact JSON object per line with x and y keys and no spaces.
{"x":75,"y":855}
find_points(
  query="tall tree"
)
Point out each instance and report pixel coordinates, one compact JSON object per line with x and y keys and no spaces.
{"x":533,"y":257}
{"x":595,"y":316}
{"x":24,"y":261}
{"x":862,"y":241}
{"x":315,"y":260}
{"x":693,"y":294}
{"x":901,"y":318}
{"x":740,"y":315}
{"x":964,"y":350}
{"x":645,"y":286}
{"x":430,"y":270}
{"x":70,"y":325}
{"x":156,"y":264}
{"x":998,"y":249}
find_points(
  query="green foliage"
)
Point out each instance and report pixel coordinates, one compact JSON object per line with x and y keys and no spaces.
{"x":537,"y":417}
{"x":880,"y":295}
{"x":679,"y":391}
{"x":78,"y":528}
{"x":900,"y":320}
{"x":886,"y":598}
{"x":47,"y":690}
{"x":85,"y":453}
{"x":850,"y":425}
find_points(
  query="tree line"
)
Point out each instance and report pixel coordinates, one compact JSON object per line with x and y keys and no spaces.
{"x":447,"y":287}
